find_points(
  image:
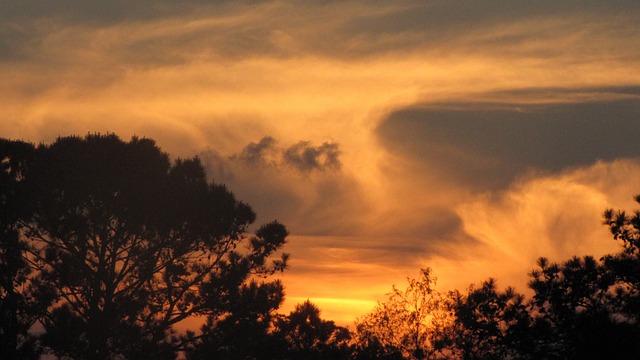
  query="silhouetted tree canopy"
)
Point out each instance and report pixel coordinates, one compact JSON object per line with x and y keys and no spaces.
{"x":574,"y":312}
{"x":262,"y":334}
{"x":411,"y":324}
{"x":243,"y":331}
{"x":490,"y":324}
{"x":105,"y":245}
{"x":306,"y":335}
{"x":124,"y":243}
{"x":18,"y":308}
{"x":624,"y":266}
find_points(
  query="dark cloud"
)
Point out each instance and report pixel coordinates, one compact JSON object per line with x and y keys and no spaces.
{"x":301,"y":185}
{"x":304,"y":186}
{"x":257,"y":183}
{"x":306,"y":157}
{"x":302,"y":156}
{"x":255,"y":153}
{"x":487,"y":145}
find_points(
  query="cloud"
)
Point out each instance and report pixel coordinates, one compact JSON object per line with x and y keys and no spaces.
{"x":502,"y":234}
{"x":489,"y":27}
{"x":555,"y":216}
{"x":301,"y":185}
{"x":306,"y":157}
{"x":160,"y":33}
{"x":305,"y":186}
{"x":484,"y":145}
{"x":292,"y":62}
{"x":302,"y":156}
{"x":255,"y":153}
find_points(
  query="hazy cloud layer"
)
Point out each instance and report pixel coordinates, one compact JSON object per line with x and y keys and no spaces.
{"x":335,"y":28}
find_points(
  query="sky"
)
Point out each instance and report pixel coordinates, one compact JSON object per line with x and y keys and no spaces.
{"x":470,"y":137}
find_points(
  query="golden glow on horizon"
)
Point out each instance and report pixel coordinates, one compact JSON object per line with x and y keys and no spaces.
{"x":341,"y":311}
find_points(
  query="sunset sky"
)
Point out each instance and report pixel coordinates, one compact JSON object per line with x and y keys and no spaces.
{"x":471,"y":137}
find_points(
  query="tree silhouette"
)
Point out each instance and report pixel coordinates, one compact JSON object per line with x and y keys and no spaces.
{"x":490,"y":324}
{"x":107,"y":244}
{"x":625,"y":265}
{"x":574,"y":312}
{"x":129,"y":244}
{"x":242,"y":331}
{"x":412,"y":322}
{"x":307,"y":336}
{"x":18,"y":310}
{"x":582,"y":308}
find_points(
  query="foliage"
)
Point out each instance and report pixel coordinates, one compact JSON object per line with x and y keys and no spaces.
{"x":260,"y":333}
{"x":625,"y":266}
{"x":126,"y":244}
{"x":244,"y":331}
{"x":411,"y":323}
{"x":306,"y":335}
{"x":490,"y":324}
{"x":18,"y":310}
{"x":105,"y":245}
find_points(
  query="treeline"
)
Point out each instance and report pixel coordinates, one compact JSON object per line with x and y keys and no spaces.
{"x":106,"y":245}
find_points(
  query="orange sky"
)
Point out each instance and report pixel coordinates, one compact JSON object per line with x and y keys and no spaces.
{"x":465,"y":136}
